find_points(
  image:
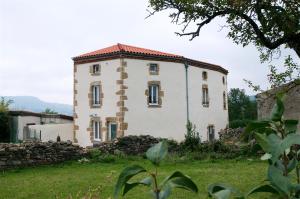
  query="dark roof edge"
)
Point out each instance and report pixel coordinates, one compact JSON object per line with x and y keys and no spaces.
{"x":29,"y":113}
{"x":178,"y":59}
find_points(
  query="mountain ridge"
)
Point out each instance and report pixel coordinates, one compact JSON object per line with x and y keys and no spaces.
{"x":34,"y":104}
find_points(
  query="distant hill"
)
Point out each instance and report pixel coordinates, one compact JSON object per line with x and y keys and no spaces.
{"x":34,"y":104}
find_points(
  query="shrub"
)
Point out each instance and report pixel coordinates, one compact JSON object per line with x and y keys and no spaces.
{"x":192,"y":138}
{"x":96,"y":156}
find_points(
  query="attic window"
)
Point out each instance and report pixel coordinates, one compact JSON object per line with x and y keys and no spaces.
{"x":204,"y":75}
{"x":153,"y":69}
{"x":96,"y":68}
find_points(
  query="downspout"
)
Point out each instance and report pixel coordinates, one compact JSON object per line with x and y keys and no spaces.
{"x":187,"y":91}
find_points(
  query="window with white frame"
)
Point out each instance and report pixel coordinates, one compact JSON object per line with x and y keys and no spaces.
{"x":211,"y":132}
{"x":97,"y":130}
{"x":153,"y":94}
{"x":205,"y":97}
{"x":96,"y":68}
{"x":96,"y":95}
{"x":153,"y":68}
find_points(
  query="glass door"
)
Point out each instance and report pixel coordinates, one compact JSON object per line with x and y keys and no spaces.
{"x":112,"y":131}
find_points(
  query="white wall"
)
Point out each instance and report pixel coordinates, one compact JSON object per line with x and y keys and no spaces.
{"x":169,"y":121}
{"x":23,"y":121}
{"x":215,"y":113}
{"x":51,"y":131}
{"x":108,"y":78}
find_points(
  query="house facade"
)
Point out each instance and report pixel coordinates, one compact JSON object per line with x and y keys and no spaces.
{"x":125,"y":90}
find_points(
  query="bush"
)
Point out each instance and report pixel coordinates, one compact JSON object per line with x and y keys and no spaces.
{"x":96,"y":156}
{"x":239,"y":123}
{"x":192,"y":138}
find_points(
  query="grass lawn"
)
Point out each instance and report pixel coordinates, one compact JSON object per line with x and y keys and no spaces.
{"x":63,"y":180}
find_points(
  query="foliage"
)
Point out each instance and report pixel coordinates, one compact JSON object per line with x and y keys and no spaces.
{"x":239,"y":123}
{"x":192,"y":138}
{"x":280,"y":142}
{"x":159,"y":191}
{"x":240,"y":107}
{"x":266,"y":24}
{"x":97,"y":156}
{"x":49,"y":111}
{"x":4,"y":120}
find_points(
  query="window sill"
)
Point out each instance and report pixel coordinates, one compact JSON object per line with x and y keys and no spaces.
{"x":205,"y":105}
{"x":95,"y":74}
{"x":153,"y":73}
{"x":96,"y":106}
{"x":154,"y":106}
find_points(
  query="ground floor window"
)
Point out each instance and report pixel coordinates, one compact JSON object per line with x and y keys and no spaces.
{"x":211,"y":133}
{"x":97,"y":130}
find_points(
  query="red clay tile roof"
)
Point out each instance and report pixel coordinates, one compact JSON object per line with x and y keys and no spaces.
{"x":126,"y":48}
{"x":126,"y":51}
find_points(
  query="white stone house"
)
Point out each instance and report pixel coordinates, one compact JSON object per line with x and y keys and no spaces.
{"x":26,"y":125}
{"x":125,"y":90}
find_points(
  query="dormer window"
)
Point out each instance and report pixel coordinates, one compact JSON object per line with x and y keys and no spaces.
{"x":204,"y":75}
{"x":153,"y":69}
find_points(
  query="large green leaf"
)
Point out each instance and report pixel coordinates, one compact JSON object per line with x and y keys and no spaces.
{"x":290,"y":126}
{"x":278,"y":108}
{"x":177,"y":180}
{"x":258,"y":127}
{"x":223,"y":194}
{"x":278,"y":180}
{"x":221,"y":191}
{"x":125,"y":175}
{"x":165,"y":192}
{"x":128,"y":186}
{"x":158,"y":152}
{"x":265,"y":188}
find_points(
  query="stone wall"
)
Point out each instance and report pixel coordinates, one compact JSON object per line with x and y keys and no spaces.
{"x":37,"y":153}
{"x":266,"y":101}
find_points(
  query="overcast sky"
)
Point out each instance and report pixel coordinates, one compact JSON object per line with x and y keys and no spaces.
{"x":38,"y":39}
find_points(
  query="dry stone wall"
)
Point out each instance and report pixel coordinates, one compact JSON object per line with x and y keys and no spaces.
{"x":38,"y":153}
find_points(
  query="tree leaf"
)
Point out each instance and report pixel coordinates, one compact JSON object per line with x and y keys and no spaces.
{"x":258,"y":127}
{"x":165,"y":193}
{"x":278,"y":108}
{"x":125,"y":175}
{"x":173,"y":175}
{"x":290,"y":126}
{"x":292,"y":164}
{"x":183,"y":183}
{"x":263,"y":142}
{"x":223,"y":194}
{"x":266,"y":188}
{"x":278,"y":180}
{"x":128,"y":186}
{"x":217,"y":187}
{"x":158,"y":152}
{"x":266,"y":156}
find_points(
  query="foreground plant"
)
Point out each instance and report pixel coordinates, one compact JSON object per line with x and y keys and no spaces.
{"x":159,"y":191}
{"x":280,"y":142}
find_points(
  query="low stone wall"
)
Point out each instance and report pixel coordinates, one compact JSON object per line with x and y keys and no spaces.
{"x":37,"y":153}
{"x":130,"y":145}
